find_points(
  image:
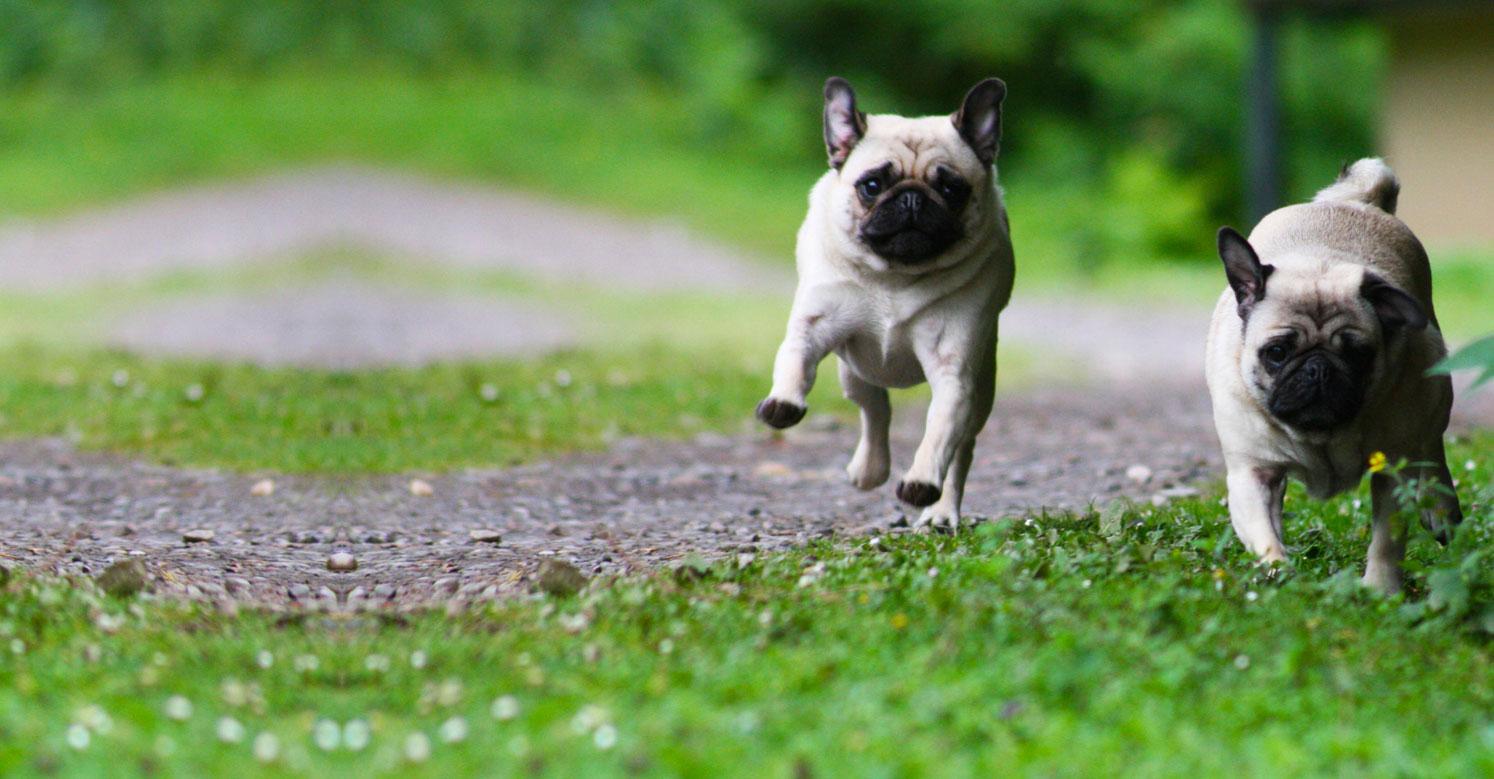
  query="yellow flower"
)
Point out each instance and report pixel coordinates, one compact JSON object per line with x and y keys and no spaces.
{"x":899,"y":621}
{"x":1377,"y":462}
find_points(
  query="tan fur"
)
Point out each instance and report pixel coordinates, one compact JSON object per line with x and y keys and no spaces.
{"x":895,"y":325}
{"x":1321,"y":252}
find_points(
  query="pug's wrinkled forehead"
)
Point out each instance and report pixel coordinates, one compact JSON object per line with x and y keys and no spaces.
{"x":1314,"y":305}
{"x":966,"y":141}
{"x":913,"y":148}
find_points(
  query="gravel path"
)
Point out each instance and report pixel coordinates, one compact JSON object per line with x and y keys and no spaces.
{"x":641,"y":505}
{"x":458,"y":225}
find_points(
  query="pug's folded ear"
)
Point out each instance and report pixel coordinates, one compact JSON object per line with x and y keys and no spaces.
{"x":1394,"y":308}
{"x":979,"y":118}
{"x":844,"y":125}
{"x":1242,"y":266}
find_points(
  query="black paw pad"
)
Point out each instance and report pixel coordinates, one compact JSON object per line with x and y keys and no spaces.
{"x":780,"y":413}
{"x":917,"y":493}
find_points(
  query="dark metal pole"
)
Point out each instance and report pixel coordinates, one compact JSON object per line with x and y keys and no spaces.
{"x":1263,"y":119}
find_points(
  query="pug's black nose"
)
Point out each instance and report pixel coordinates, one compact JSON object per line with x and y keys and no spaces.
{"x":1314,"y":369}
{"x":911,"y":200}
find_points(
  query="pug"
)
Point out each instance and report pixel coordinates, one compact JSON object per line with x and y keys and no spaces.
{"x":904,"y":263}
{"x":1317,"y":359}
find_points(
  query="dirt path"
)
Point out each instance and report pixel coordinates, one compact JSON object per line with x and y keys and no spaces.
{"x":464,"y":226}
{"x":641,"y":505}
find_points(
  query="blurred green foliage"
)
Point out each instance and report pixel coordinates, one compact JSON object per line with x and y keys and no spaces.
{"x":1127,"y":115}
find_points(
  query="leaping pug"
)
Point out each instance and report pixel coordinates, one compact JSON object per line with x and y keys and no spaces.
{"x":905,"y":262}
{"x":1317,"y":358}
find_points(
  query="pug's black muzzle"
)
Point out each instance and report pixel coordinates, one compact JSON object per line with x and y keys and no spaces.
{"x":910,"y":225}
{"x":1317,"y":392}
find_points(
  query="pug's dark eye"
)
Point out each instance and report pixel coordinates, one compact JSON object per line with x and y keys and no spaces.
{"x":1275,"y":354}
{"x":870,"y":188}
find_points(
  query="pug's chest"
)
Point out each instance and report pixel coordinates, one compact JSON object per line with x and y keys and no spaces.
{"x":1328,"y":469}
{"x":884,"y":354}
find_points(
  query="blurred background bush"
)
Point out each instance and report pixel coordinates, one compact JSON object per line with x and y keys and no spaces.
{"x":1124,"y":118}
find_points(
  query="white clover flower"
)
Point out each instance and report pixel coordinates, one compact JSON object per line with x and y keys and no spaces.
{"x":326,"y":735}
{"x":589,"y":718}
{"x":605,"y":737}
{"x":266,"y":747}
{"x":418,"y":659}
{"x":356,"y":734}
{"x":505,"y":707}
{"x":264,"y":659}
{"x":95,"y":719}
{"x":449,"y":693}
{"x":454,"y":730}
{"x":235,"y":693}
{"x":178,"y":708}
{"x":417,"y":748}
{"x":376,"y":663}
{"x":230,"y":731}
{"x":77,"y":736}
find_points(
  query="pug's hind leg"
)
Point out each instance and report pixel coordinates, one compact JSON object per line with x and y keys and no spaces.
{"x":945,"y":514}
{"x":872,"y":461}
{"x":1382,"y":569}
{"x":1255,"y":510}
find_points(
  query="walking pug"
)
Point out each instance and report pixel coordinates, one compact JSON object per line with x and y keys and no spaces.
{"x":1317,"y":358}
{"x":904,"y":263}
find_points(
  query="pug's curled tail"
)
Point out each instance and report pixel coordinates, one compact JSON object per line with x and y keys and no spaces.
{"x":1369,"y":181}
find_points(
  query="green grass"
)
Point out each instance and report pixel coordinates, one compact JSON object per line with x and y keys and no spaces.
{"x":1142,"y":643}
{"x":489,"y":413}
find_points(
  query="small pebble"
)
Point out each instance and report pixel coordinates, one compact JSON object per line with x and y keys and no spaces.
{"x":486,"y":536}
{"x":197,"y":536}
{"x":421,"y":488}
{"x":1139,"y":473}
{"x":342,"y":562}
{"x":560,"y":578}
{"x":263,"y":488}
{"x":124,"y":578}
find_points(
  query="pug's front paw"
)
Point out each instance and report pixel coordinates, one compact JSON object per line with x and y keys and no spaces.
{"x":917,"y":493}
{"x":780,"y":413}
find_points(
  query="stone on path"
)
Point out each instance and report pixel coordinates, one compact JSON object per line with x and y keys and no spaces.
{"x":124,"y":578}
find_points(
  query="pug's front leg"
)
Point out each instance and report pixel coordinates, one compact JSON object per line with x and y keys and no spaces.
{"x":1255,"y":496}
{"x":811,"y":336}
{"x":945,"y":431}
{"x":1382,"y":568}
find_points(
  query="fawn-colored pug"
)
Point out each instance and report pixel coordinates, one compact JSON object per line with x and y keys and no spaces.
{"x":1317,"y":359}
{"x":904,"y":263}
